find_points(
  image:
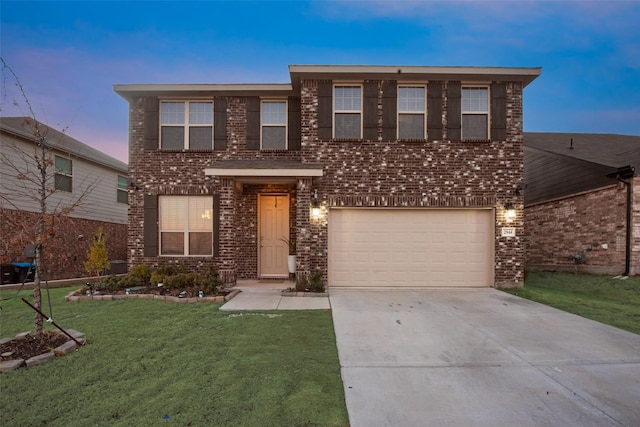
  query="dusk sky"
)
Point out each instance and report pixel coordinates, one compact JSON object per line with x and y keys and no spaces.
{"x":68,"y":55}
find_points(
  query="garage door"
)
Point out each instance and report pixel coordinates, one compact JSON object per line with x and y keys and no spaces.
{"x":411,"y":247}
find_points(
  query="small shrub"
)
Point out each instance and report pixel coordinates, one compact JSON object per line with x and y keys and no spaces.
{"x":97,"y":258}
{"x":140,"y":273}
{"x":161,"y":273}
{"x":315,"y":282}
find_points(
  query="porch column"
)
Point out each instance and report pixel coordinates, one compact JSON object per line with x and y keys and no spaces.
{"x":303,"y":228}
{"x":227,"y":232}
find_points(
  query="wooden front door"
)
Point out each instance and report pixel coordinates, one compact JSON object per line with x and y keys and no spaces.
{"x":273,"y":228}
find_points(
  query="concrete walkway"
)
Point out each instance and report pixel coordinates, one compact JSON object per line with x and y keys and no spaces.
{"x":267,"y":295}
{"x":480,"y":358}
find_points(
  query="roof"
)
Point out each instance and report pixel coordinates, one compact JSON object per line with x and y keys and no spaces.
{"x":414,"y":73}
{"x":203,"y":90}
{"x":553,"y":169}
{"x":335,"y":72}
{"x":20,"y":126}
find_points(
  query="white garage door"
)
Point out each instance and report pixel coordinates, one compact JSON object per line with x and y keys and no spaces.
{"x":411,"y":247}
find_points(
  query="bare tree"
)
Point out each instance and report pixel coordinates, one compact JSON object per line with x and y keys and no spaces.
{"x":34,"y":174}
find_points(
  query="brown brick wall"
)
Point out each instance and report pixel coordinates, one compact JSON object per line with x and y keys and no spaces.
{"x":66,"y":246}
{"x":428,"y":173}
{"x":560,"y":228}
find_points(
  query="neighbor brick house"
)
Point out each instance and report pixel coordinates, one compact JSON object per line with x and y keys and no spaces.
{"x":582,"y":202}
{"x":76,"y":172}
{"x":382,"y":175}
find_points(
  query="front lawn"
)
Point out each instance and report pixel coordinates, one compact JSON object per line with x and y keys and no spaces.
{"x":612,"y":301}
{"x":151,"y":362}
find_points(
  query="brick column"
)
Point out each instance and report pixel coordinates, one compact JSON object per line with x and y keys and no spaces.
{"x":227,"y":230}
{"x":303,"y":232}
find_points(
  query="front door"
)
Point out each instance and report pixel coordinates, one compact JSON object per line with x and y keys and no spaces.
{"x":273,"y":229}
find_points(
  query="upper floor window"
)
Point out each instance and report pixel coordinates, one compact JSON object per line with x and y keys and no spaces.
{"x":347,"y":110}
{"x":63,"y":174}
{"x":186,"y":125}
{"x":186,"y":225}
{"x":122,"y":192}
{"x":475,"y":113}
{"x":411,"y":112}
{"x":273,"y":118}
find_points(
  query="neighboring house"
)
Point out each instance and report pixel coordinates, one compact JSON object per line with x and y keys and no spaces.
{"x":77,"y":171}
{"x":582,"y":202}
{"x":383,"y":175}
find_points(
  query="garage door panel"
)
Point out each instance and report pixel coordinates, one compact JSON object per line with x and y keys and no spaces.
{"x":404,"y":247}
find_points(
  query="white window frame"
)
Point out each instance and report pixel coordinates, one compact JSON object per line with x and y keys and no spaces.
{"x":423,"y":112}
{"x":285,"y":124}
{"x":61,"y":173}
{"x":186,"y":124}
{"x":186,"y":228}
{"x":487,"y":112}
{"x":122,"y":189}
{"x":336,"y":111}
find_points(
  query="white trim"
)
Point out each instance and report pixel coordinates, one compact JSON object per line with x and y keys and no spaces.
{"x":334,"y":111}
{"x":285,"y":101}
{"x":186,"y":228}
{"x":487,"y":113}
{"x":263,"y":172}
{"x":186,"y":125}
{"x":400,"y":112}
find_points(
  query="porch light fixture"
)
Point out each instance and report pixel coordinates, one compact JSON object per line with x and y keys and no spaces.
{"x":315,"y":205}
{"x":510,"y":211}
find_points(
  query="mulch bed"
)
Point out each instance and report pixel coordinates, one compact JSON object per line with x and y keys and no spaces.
{"x":32,"y":345}
{"x":188,"y":292}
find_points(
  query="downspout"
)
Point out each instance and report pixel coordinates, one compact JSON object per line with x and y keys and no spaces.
{"x":625,"y":175}
{"x":627,"y":257}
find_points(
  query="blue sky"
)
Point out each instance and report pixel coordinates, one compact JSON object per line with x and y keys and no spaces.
{"x":68,"y":55}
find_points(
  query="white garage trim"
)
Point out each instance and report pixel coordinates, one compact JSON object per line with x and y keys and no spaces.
{"x":375,"y":247}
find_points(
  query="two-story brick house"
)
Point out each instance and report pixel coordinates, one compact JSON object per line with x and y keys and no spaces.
{"x":383,"y":175}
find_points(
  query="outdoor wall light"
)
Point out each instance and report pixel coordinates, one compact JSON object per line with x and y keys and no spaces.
{"x":315,"y":205}
{"x":510,"y":211}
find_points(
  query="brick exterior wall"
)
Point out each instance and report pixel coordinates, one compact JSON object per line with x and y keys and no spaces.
{"x":582,"y":223}
{"x":66,"y":246}
{"x":431,"y":173}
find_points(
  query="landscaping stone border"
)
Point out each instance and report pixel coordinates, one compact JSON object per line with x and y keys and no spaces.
{"x":66,"y":348}
{"x":75,"y":298}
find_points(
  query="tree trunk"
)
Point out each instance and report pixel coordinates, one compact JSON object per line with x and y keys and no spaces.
{"x":37,"y":295}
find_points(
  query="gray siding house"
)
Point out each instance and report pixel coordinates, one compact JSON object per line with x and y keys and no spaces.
{"x":75,"y":170}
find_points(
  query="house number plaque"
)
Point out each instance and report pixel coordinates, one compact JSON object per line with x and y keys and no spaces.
{"x":508,"y":232}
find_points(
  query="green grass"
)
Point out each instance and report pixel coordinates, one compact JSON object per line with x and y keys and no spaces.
{"x":200,"y":367}
{"x":602,"y":298}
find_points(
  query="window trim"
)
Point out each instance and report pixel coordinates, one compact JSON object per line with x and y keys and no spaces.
{"x":186,"y":230}
{"x":400,"y":112}
{"x":56,"y":173}
{"x":124,"y":189}
{"x":334,"y":111}
{"x":186,"y":125}
{"x":487,"y":112}
{"x":284,"y":101}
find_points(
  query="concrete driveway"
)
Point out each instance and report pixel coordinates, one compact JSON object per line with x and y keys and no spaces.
{"x":480,"y":358}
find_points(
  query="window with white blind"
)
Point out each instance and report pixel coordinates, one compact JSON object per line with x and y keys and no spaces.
{"x":347,"y":110}
{"x":186,"y":125}
{"x":411,"y":112}
{"x":63,"y":179}
{"x":186,"y":225}
{"x":475,"y":113}
{"x":122,"y":192}
{"x":273,"y":118}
